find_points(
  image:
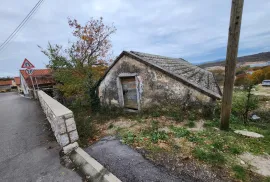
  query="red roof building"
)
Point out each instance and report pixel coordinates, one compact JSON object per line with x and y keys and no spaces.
{"x":39,"y":76}
{"x":5,"y":85}
{"x":17,"y":80}
{"x":5,"y":82}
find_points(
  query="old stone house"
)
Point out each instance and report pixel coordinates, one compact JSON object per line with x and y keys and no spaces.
{"x":141,"y":81}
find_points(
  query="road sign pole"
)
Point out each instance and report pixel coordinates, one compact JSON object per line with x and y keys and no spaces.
{"x":33,"y":85}
{"x":36,"y":83}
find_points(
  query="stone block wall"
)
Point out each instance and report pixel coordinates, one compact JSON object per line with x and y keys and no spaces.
{"x":61,"y":119}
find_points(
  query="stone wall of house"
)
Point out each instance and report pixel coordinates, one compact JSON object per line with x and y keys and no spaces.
{"x":154,"y":87}
{"x":61,"y":120}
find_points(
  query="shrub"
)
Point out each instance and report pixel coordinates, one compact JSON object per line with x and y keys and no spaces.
{"x":85,"y":127}
{"x":243,"y":103}
{"x":264,"y":114}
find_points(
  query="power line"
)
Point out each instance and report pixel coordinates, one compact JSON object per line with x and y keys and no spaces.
{"x":20,"y":26}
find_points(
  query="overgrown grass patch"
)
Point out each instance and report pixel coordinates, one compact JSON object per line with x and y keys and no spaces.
{"x":151,"y":134}
{"x":211,"y":123}
{"x":190,"y":124}
{"x":180,"y":131}
{"x":129,"y":137}
{"x":239,"y":172}
{"x":177,"y":116}
{"x":210,"y":156}
{"x":85,"y":126}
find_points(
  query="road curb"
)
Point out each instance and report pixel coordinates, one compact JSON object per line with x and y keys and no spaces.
{"x":91,"y":168}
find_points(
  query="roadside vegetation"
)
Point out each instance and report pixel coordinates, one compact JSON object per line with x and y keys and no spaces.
{"x":77,"y":69}
{"x":193,"y":135}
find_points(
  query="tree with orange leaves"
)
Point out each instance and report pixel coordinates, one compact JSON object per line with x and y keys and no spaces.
{"x":78,"y":67}
{"x":93,"y":43}
{"x":257,"y":76}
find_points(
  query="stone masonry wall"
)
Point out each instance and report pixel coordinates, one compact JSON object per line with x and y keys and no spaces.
{"x":154,"y":88}
{"x":61,"y":119}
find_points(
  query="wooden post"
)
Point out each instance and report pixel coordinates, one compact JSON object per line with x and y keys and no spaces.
{"x":231,"y":57}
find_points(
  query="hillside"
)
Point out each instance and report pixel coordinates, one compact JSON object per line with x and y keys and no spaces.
{"x":260,"y":57}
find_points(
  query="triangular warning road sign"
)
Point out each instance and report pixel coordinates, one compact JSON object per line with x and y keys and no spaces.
{"x":29,"y":71}
{"x":27,"y":64}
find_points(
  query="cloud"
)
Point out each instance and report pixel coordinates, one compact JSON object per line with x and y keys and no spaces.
{"x":194,"y":30}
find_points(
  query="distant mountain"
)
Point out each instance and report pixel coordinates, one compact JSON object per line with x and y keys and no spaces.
{"x":260,"y":57}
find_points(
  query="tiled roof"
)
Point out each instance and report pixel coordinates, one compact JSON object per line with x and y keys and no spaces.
{"x":37,"y":72}
{"x":17,"y":80}
{"x":181,"y":70}
{"x":5,"y":82}
{"x":190,"y":73}
{"x":41,"y":76}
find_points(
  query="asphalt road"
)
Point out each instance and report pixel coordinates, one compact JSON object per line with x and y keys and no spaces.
{"x":28,"y":152}
{"x":127,"y":164}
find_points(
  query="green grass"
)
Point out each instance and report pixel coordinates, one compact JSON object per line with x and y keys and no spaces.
{"x":235,"y":150}
{"x":219,"y":147}
{"x":156,"y":114}
{"x":212,"y":156}
{"x":267,"y":179}
{"x":177,"y":116}
{"x":239,"y":172}
{"x":180,"y":131}
{"x":211,"y":123}
{"x":85,"y":127}
{"x":158,"y":135}
{"x":151,"y":133}
{"x":129,"y":138}
{"x":190,"y":124}
{"x":110,"y":126}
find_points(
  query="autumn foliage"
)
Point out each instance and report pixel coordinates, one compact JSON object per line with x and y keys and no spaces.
{"x":258,"y":75}
{"x":78,"y":67}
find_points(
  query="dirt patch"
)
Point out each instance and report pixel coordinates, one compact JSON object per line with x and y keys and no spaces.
{"x":198,"y":126}
{"x":184,"y":146}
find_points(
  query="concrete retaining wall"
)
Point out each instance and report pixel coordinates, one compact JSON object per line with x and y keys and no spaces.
{"x":61,"y":120}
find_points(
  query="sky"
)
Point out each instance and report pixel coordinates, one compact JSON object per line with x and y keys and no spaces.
{"x":195,"y":30}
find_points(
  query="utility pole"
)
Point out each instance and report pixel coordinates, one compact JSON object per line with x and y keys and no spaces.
{"x":231,"y":57}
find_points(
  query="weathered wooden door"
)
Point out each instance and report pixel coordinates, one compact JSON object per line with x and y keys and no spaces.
{"x":129,"y":92}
